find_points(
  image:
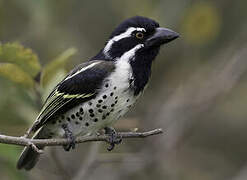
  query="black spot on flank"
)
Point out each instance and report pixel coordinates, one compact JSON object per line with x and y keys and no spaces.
{"x":59,"y":121}
{"x":100,"y":110}
{"x":115,"y":88}
{"x":116,"y":102}
{"x":81,"y":110}
{"x":107,"y":114}
{"x":77,"y":114}
{"x":91,"y":115}
{"x":112,"y":109}
{"x":105,"y":96}
{"x":119,"y":111}
{"x":68,"y":119}
{"x":111,"y":94}
{"x":73,"y":116}
{"x":90,"y":110}
{"x":98,"y":105}
{"x":90,"y":103}
{"x":112,"y":105}
{"x":104,"y":107}
{"x":53,"y":122}
{"x":62,"y":116}
{"x":127,"y":100}
{"x":80,"y":118}
{"x":100,"y":101}
{"x":86,"y":124}
{"x":116,"y":97}
{"x":103,"y":117}
{"x":106,"y":85}
{"x":77,"y":122}
{"x":95,"y":120}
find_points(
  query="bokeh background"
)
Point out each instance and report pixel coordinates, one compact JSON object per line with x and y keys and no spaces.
{"x":197,"y":94}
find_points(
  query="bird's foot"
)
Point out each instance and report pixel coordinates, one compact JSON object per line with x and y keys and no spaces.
{"x":70,"y":137}
{"x":114,"y":138}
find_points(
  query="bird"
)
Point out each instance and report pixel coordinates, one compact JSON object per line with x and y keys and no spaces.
{"x":98,"y":92}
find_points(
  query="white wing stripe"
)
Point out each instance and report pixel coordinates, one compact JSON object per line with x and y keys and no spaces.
{"x":82,"y":69}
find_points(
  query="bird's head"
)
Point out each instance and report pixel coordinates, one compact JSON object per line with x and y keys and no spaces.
{"x":137,"y":36}
{"x":136,"y":40}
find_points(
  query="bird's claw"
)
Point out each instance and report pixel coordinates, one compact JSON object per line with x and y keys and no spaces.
{"x":113,"y":138}
{"x":70,"y":137}
{"x":71,"y":144}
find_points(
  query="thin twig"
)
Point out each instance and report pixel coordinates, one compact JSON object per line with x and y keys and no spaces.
{"x":21,"y":141}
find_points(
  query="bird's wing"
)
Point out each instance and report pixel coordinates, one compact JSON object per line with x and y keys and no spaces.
{"x":80,"y":85}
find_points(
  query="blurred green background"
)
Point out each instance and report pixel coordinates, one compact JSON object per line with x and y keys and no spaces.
{"x":197,"y":94}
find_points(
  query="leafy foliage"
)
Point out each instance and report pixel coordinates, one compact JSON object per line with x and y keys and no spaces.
{"x":21,"y":66}
{"x":16,"y":74}
{"x":52,"y":68}
{"x":25,"y":58}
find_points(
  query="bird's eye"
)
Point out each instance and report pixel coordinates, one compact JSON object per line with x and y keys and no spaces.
{"x":139,"y":35}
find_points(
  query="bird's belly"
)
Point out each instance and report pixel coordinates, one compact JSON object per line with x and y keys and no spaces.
{"x":89,"y":117}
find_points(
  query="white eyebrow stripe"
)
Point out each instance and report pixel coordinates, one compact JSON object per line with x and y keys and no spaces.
{"x":82,"y":69}
{"x":127,"y":33}
{"x":123,"y":35}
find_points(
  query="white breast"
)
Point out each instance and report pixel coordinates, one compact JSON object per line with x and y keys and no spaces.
{"x":114,"y":100}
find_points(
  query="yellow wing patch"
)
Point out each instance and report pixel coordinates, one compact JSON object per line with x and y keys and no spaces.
{"x":69,"y":96}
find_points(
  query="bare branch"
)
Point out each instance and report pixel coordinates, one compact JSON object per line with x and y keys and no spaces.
{"x":22,"y":141}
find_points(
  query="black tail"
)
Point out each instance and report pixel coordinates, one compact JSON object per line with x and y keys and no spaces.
{"x":28,"y":157}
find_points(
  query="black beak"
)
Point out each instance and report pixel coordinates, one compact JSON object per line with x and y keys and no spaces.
{"x":161,"y":36}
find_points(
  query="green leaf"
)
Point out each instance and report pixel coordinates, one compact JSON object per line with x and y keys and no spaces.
{"x":16,"y":74}
{"x":51,"y":69}
{"x":25,"y":58}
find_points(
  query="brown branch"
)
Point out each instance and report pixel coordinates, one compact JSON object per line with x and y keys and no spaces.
{"x":22,"y":141}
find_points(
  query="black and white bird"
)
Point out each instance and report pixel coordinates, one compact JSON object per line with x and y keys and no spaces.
{"x":97,"y":93}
